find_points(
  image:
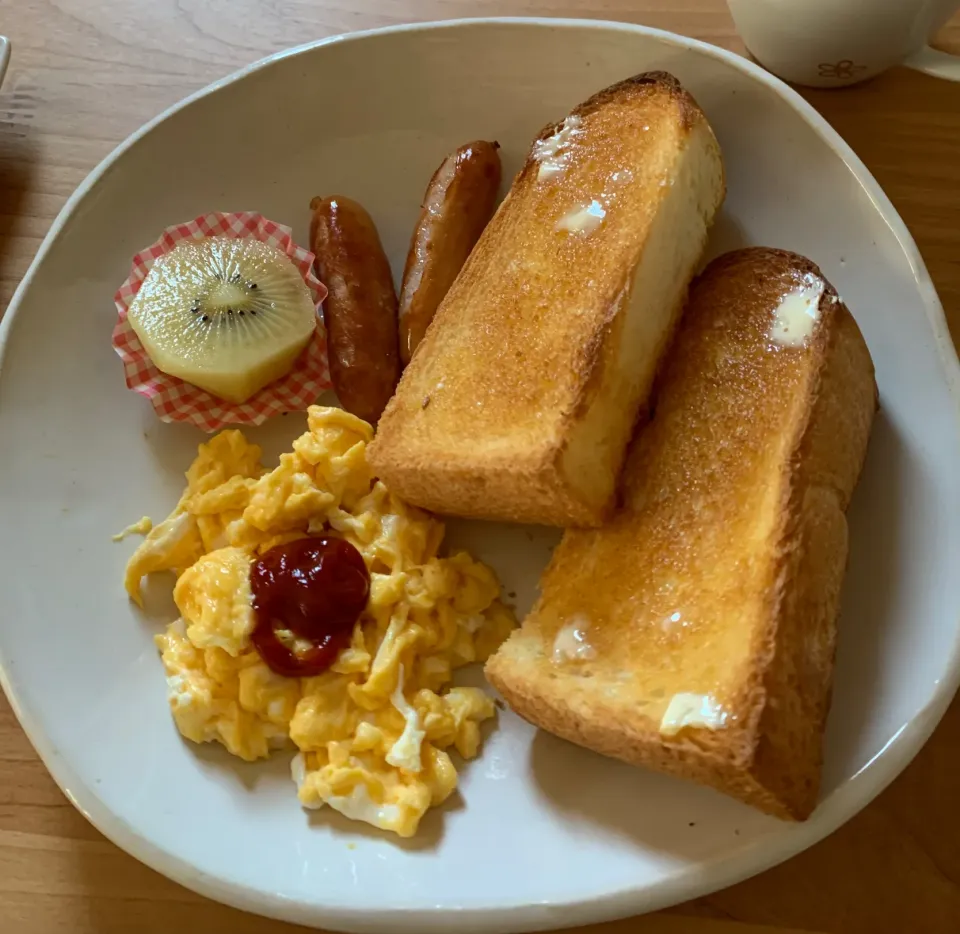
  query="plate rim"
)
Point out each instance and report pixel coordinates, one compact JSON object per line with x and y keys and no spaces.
{"x":705,"y":877}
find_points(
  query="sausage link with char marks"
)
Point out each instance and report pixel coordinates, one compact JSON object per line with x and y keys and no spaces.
{"x":457,"y":205}
{"x":360,"y":311}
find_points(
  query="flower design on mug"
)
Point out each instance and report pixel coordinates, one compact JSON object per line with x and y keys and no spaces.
{"x":844,"y":69}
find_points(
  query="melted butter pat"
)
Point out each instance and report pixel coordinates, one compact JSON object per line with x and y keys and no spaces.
{"x":583,"y":220}
{"x":798,"y":312}
{"x":554,"y":152}
{"x":692,"y":710}
{"x":571,"y":643}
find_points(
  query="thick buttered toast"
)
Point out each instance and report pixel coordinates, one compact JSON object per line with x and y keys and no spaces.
{"x":520,"y":401}
{"x":695,"y":633}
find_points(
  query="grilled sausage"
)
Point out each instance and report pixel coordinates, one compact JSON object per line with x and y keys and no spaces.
{"x":457,"y":205}
{"x":360,"y":311}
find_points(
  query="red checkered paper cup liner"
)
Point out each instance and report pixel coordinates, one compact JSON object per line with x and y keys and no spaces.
{"x":177,"y":401}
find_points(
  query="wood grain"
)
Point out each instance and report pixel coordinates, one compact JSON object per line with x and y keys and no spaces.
{"x":86,"y":73}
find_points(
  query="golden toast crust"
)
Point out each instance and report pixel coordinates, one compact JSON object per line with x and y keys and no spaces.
{"x":519,"y":382}
{"x":733,"y":517}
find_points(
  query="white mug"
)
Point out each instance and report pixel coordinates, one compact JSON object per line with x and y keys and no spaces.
{"x":832,"y":43}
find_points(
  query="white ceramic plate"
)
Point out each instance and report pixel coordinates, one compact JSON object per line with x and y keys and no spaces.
{"x":545,"y":834}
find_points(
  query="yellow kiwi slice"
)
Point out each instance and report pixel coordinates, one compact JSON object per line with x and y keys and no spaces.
{"x":227,"y":315}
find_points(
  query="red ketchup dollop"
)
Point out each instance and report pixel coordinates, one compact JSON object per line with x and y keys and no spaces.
{"x":314,"y":588}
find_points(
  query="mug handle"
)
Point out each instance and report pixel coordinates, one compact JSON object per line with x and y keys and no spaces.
{"x":4,"y":55}
{"x":933,"y":62}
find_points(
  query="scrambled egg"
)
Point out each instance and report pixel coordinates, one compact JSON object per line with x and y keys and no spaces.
{"x":374,"y":732}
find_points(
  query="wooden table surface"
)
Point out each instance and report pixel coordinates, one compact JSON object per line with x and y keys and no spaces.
{"x":85,"y":74}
